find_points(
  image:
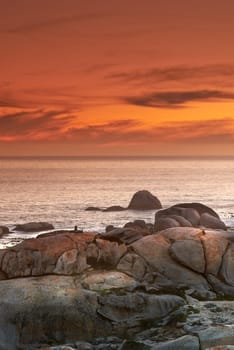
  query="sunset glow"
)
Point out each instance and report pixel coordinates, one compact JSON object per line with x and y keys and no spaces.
{"x":101,"y":77}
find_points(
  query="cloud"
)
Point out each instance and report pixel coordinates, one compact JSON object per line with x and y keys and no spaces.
{"x":34,"y":124}
{"x":175,"y":73}
{"x":132,"y":132}
{"x":177,"y":99}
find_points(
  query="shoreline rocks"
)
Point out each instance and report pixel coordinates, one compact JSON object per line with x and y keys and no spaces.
{"x":128,"y":288}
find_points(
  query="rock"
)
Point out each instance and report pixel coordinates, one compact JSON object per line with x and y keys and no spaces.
{"x":144,"y":200}
{"x":48,"y":309}
{"x":114,"y":208}
{"x":93,"y":209}
{"x":227,"y":268}
{"x":214,"y":248}
{"x":216,"y":335}
{"x":222,"y":347}
{"x":155,"y":250}
{"x":221,"y":288}
{"x":3,"y":230}
{"x":124,"y":235}
{"x":129,"y":311}
{"x":110,"y":280}
{"x":34,"y":226}
{"x":208,"y":220}
{"x":186,"y":342}
{"x":188,"y":214}
{"x":165,"y":222}
{"x":109,"y":228}
{"x":189,"y":253}
{"x":199,"y":207}
{"x":133,"y":265}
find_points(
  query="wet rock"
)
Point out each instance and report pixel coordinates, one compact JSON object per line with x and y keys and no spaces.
{"x":144,"y":200}
{"x":34,"y":227}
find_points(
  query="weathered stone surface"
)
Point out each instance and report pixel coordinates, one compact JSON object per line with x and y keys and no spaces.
{"x":227,"y":268}
{"x":180,"y":233}
{"x":144,"y":200}
{"x":189,"y":253}
{"x":220,"y":287}
{"x":208,"y":220}
{"x":38,"y":310}
{"x":109,"y":253}
{"x":132,"y":310}
{"x":186,"y":342}
{"x":199,"y":207}
{"x":107,"y":280}
{"x":155,"y":250}
{"x":214,"y":248}
{"x":133,"y":265}
{"x":217,"y":335}
{"x":71,"y":262}
{"x":34,"y":226}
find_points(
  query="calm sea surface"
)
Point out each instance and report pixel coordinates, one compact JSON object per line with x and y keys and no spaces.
{"x":58,"y":190}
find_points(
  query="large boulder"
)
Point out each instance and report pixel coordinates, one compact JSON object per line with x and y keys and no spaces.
{"x":144,"y":200}
{"x":34,"y":227}
{"x":187,"y":215}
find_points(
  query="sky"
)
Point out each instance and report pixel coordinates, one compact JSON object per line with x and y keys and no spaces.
{"x":116,"y":77}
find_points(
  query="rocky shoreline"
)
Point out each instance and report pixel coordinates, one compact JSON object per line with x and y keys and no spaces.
{"x":166,"y":285}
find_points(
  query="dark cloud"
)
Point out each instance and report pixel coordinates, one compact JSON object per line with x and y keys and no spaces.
{"x":177,"y":99}
{"x":29,"y":123}
{"x":175,"y":73}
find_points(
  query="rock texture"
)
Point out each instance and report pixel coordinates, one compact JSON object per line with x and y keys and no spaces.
{"x":130,"y":283}
{"x":188,"y":215}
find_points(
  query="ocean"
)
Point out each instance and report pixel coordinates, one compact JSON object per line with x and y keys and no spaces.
{"x":58,"y":190}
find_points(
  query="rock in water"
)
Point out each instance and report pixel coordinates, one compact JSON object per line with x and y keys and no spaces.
{"x":34,"y":227}
{"x":3,"y":230}
{"x":144,"y":200}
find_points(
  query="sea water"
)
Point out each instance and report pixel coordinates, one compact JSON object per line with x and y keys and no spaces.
{"x":58,"y":190}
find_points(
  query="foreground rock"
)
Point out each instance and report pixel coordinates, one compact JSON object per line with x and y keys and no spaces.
{"x":77,"y":287}
{"x":34,"y":227}
{"x":188,"y":215}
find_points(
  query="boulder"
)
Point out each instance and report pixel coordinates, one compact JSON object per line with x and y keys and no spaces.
{"x":34,"y":227}
{"x":187,"y":215}
{"x":216,"y":335}
{"x":144,"y":200}
{"x":227,"y":268}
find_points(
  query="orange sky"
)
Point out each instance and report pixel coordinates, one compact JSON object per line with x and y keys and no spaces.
{"x":117,"y":77}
